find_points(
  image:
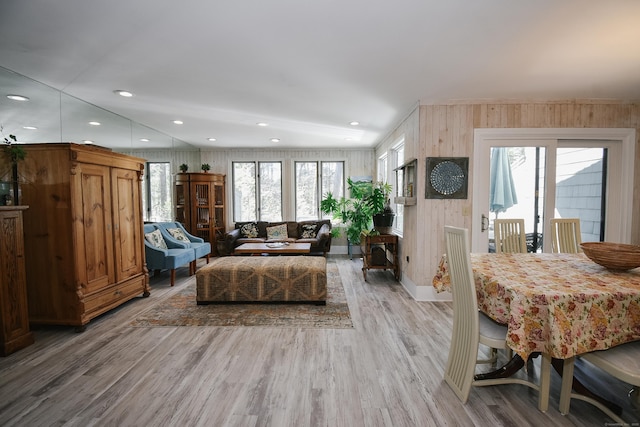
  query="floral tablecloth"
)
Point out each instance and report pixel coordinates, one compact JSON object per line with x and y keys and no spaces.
{"x":560,"y":304}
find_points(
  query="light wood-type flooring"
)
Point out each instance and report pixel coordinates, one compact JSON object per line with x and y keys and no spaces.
{"x":386,"y":371}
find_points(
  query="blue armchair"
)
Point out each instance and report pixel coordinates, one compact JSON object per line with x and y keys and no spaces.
{"x":175,"y":255}
{"x":199,"y":246}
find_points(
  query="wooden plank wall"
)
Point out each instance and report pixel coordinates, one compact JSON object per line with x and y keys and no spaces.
{"x":447,"y":130}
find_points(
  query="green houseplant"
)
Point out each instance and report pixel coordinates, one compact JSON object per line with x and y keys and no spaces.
{"x":357,"y":213}
{"x":184,"y":167}
{"x":205,"y":167}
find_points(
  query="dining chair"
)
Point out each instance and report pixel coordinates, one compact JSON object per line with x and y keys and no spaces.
{"x":510,"y":236}
{"x":470,"y":326}
{"x":621,"y":361}
{"x":565,"y":235}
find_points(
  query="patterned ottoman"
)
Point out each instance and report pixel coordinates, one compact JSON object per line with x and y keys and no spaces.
{"x":263,"y":279}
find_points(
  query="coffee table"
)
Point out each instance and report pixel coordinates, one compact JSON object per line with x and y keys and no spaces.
{"x":271,"y":248}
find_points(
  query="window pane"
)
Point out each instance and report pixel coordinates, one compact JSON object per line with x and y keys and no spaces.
{"x":333,"y":179}
{"x":306,"y":191}
{"x":244,"y":191}
{"x":270,"y":191}
{"x":160,"y":192}
{"x":398,"y":223}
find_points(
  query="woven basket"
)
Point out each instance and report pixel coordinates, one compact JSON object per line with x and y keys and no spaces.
{"x":614,"y":256}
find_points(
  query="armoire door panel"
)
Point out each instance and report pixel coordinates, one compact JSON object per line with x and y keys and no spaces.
{"x":95,"y":231}
{"x":129,"y":259}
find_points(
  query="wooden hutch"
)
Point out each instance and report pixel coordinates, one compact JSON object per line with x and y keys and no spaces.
{"x":200,"y":205}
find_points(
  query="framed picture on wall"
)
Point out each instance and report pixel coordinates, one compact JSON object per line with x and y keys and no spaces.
{"x":447,"y":178}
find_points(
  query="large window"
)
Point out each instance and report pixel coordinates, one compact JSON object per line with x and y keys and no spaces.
{"x":313,"y":180}
{"x":257,"y":191}
{"x":157,"y":193}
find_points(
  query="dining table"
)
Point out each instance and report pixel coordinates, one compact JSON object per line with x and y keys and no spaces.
{"x":556,"y":305}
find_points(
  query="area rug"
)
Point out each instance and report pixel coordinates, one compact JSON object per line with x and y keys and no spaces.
{"x":180,"y":309}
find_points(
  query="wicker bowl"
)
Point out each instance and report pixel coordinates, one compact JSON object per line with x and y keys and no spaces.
{"x":614,"y":256}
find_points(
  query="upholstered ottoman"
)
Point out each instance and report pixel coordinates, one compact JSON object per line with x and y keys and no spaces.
{"x":263,"y":279}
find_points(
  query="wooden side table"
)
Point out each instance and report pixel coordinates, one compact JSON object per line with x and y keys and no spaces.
{"x":380,"y":253}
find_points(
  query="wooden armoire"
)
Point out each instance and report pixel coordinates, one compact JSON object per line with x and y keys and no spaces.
{"x":200,"y":205}
{"x":84,"y":248}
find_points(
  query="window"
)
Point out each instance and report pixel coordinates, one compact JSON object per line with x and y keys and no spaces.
{"x":312,"y":181}
{"x":157,"y":192}
{"x":397,"y":158}
{"x":257,"y":191}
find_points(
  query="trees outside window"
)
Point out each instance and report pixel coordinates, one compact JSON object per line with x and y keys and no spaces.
{"x":257,"y":191}
{"x":157,"y":192}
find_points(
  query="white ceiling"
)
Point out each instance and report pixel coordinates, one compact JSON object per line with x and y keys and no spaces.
{"x":309,"y":67}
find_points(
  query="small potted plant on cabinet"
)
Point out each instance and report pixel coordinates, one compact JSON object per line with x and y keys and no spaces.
{"x":184,"y":167}
{"x":14,"y":154}
{"x":205,"y":167}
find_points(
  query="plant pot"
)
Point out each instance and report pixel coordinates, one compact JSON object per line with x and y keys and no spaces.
{"x":383,"y":222}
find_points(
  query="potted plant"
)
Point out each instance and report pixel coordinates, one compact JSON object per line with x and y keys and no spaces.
{"x":14,"y":154}
{"x":357,"y":213}
{"x":184,"y":167}
{"x":205,"y":167}
{"x":383,"y":214}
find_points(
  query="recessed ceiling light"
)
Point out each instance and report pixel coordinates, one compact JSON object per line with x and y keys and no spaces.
{"x":29,"y":127}
{"x":262,"y":124}
{"x":354,"y":123}
{"x":18,"y":97}
{"x":211,"y":139}
{"x":275,"y":140}
{"x":94,"y":123}
{"x":88,"y":141}
{"x":124,"y":93}
{"x":178,"y":122}
{"x":144,"y":139}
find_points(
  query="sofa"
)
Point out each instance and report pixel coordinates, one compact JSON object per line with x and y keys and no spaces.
{"x":318,"y":233}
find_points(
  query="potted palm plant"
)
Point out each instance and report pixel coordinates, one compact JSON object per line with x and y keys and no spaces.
{"x":383,"y":214}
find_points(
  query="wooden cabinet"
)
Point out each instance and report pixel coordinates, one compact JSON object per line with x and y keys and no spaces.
{"x":380,"y":252}
{"x":14,"y":319}
{"x":406,"y":182}
{"x":200,"y":205}
{"x":83,"y":231}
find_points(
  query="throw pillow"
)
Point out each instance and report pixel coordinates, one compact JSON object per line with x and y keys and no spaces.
{"x":156,"y":240}
{"x":178,"y":234}
{"x":309,"y":231}
{"x":249,"y":230}
{"x":277,"y":232}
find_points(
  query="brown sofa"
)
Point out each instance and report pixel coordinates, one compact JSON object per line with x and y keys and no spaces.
{"x":256,"y":232}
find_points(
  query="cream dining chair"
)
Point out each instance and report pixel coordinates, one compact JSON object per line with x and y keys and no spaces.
{"x":622,"y":361}
{"x":470,"y":326}
{"x":509,"y":236}
{"x":565,"y":235}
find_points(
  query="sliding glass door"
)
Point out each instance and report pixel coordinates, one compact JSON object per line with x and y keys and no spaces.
{"x":540,"y":179}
